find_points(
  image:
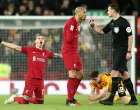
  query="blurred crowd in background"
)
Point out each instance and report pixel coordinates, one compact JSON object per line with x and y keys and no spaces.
{"x":62,"y":7}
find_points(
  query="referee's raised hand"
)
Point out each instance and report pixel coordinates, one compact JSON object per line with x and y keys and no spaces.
{"x":91,"y":22}
{"x":0,"y":40}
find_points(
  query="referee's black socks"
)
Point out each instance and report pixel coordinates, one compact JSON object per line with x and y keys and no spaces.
{"x":128,"y":84}
{"x":115,"y":81}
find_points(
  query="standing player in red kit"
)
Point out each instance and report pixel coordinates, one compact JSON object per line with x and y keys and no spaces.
{"x":70,"y":54}
{"x":34,"y":82}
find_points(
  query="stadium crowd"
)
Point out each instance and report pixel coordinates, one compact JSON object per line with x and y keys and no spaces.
{"x":61,"y":7}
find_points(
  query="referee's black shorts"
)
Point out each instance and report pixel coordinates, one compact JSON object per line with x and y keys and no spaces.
{"x":119,"y":59}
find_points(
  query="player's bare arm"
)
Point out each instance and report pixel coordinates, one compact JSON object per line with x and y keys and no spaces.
{"x":100,"y":96}
{"x":130,"y":40}
{"x":96,"y":28}
{"x":91,"y":95}
{"x":92,"y":92}
{"x":57,"y":55}
{"x":129,"y":55}
{"x":103,"y":94}
{"x":10,"y":45}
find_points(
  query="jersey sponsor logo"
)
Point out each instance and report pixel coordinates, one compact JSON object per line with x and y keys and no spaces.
{"x":71,"y":27}
{"x":116,"y":29}
{"x":41,"y":59}
{"x":128,"y":29}
{"x":38,"y":59}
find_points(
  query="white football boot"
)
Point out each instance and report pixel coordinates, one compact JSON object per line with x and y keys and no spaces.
{"x":10,"y":100}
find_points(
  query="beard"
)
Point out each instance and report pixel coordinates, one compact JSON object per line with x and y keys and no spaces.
{"x":83,"y":18}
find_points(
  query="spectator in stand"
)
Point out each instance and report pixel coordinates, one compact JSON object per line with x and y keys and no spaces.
{"x":31,"y":8}
{"x":66,"y":9}
{"x":22,"y":10}
{"x":38,"y":11}
{"x":46,"y":12}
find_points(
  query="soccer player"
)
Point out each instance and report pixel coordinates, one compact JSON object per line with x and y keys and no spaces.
{"x":34,"y":82}
{"x":103,"y":82}
{"x":122,"y":45}
{"x":70,"y":54}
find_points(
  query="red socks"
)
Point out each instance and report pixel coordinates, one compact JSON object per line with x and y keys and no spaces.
{"x":77,"y":82}
{"x":35,"y":101}
{"x":39,"y":101}
{"x":21,"y":100}
{"x":70,"y":88}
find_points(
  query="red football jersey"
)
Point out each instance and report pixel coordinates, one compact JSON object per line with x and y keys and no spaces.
{"x":36,"y":61}
{"x":70,"y":35}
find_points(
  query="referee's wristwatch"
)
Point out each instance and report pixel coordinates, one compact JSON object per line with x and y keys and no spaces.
{"x":128,"y":51}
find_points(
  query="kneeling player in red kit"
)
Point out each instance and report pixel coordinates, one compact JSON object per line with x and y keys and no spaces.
{"x":34,"y":82}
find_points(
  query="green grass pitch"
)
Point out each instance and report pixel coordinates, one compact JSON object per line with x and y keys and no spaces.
{"x":57,"y":102}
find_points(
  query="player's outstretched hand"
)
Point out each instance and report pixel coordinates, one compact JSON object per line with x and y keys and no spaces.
{"x":91,"y":99}
{"x":91,"y":22}
{"x":60,"y":56}
{"x":0,"y":40}
{"x":57,"y":55}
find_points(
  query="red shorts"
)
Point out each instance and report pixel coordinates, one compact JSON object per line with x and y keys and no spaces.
{"x":35,"y":86}
{"x":72,"y":61}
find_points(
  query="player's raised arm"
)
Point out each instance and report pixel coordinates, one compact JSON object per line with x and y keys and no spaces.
{"x":96,"y":28}
{"x":10,"y":45}
{"x":130,"y":41}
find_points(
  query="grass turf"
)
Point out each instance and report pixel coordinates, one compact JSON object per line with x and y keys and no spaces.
{"x":57,"y":102}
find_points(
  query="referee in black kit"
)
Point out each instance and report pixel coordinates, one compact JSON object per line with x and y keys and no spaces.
{"x":122,"y":45}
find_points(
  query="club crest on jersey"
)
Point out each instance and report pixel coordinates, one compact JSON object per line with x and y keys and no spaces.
{"x":116,"y":29}
{"x":71,"y":27}
{"x":34,"y":58}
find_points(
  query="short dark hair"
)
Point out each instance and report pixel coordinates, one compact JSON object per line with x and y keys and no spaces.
{"x":115,"y":6}
{"x":94,"y":74}
{"x":38,"y":35}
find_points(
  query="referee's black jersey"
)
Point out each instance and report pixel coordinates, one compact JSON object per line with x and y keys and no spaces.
{"x":121,"y":30}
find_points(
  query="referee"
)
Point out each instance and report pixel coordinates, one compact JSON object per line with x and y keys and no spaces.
{"x":122,"y":45}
